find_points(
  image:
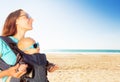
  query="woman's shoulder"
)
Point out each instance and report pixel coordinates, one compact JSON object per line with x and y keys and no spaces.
{"x":3,"y":45}
{"x":2,"y":40}
{"x":13,"y":39}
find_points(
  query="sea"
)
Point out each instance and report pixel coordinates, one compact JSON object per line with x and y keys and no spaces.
{"x":83,"y":51}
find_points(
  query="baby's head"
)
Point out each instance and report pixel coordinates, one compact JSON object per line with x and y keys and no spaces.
{"x":28,"y":45}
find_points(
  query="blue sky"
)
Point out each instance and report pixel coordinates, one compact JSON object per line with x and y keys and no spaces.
{"x":70,"y":24}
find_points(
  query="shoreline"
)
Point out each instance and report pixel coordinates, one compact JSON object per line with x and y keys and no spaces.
{"x":82,"y":53}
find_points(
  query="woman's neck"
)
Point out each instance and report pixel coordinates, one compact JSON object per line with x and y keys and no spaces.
{"x":19,"y":35}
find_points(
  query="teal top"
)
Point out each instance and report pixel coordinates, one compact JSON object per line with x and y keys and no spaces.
{"x":7,"y":54}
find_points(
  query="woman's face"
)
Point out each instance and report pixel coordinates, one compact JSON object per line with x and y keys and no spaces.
{"x":24,"y":21}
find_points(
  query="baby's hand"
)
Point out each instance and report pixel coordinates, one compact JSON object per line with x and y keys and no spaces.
{"x":53,"y":68}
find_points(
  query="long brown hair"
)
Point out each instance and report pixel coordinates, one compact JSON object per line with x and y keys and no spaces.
{"x":9,"y":28}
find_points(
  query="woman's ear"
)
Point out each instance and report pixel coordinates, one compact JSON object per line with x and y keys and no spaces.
{"x":16,"y":21}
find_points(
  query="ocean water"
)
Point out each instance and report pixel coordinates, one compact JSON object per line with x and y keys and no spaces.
{"x":83,"y":51}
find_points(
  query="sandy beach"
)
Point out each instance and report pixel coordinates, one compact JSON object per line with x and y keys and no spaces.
{"x":85,"y":68}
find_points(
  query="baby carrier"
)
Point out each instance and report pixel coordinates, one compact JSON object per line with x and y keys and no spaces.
{"x":37,"y":64}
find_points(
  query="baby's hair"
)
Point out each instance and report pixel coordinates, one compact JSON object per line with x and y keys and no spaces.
{"x":21,"y":43}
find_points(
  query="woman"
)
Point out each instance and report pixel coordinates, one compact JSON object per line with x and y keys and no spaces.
{"x":15,"y":27}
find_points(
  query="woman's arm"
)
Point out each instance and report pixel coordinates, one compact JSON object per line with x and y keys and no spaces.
{"x":9,"y":72}
{"x":13,"y":71}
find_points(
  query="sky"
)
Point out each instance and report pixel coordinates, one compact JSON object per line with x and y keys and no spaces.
{"x":70,"y":24}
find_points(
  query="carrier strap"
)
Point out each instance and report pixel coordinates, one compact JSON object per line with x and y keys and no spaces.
{"x":10,"y":43}
{"x":3,"y":65}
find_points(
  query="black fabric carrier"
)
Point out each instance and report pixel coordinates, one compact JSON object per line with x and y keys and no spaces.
{"x":36,"y":71}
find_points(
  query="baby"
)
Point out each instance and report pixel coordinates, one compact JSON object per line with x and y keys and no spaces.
{"x":30,"y":47}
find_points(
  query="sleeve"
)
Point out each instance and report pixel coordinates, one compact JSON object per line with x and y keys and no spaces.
{"x":3,"y":47}
{"x":49,"y":65}
{"x":6,"y":53}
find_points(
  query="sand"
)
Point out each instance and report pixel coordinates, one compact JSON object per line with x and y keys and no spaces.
{"x":85,"y":68}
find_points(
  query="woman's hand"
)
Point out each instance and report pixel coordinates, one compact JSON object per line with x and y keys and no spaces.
{"x":15,"y":72}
